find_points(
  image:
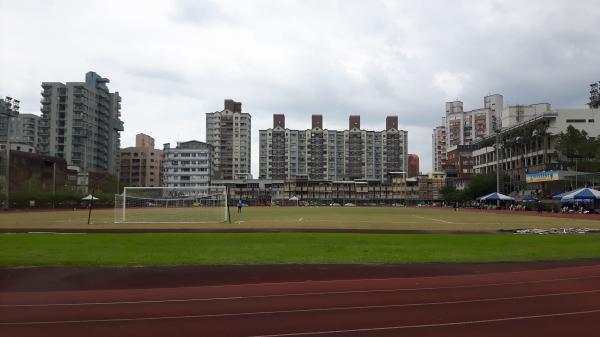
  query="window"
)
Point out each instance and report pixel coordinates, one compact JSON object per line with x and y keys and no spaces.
{"x":590,"y":121}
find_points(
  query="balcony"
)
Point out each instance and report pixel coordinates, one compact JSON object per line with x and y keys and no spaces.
{"x":45,"y":100}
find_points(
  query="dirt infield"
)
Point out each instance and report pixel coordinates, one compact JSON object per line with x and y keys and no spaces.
{"x":520,"y":299}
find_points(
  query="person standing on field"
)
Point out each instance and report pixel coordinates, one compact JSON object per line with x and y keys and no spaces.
{"x":239,"y":205}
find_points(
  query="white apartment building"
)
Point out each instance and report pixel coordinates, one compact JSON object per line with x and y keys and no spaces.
{"x":439,"y":147}
{"x":321,"y":154}
{"x":81,"y":123}
{"x":229,"y":133}
{"x":187,"y":165}
{"x":515,"y":114}
{"x":466,"y":127}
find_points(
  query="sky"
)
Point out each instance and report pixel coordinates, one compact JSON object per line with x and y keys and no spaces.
{"x":174,"y":61}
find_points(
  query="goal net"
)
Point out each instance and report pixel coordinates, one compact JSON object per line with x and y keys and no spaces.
{"x":171,"y":205}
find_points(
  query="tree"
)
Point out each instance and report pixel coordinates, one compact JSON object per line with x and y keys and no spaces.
{"x":577,"y":144}
{"x":451,"y":195}
{"x":480,"y":185}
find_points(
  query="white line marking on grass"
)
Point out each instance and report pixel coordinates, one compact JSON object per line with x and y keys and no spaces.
{"x":364,"y":307}
{"x":298,"y":294}
{"x":330,"y":332}
{"x":432,"y":219}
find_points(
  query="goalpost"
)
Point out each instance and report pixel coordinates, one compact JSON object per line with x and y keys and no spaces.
{"x":171,"y":205}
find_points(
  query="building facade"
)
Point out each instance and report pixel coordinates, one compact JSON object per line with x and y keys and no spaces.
{"x":141,"y":165}
{"x":27,"y":130}
{"x":413,"y":165}
{"x":397,"y":190}
{"x":229,"y":133}
{"x":516,"y":114}
{"x":81,"y":123}
{"x":9,"y":112}
{"x":530,"y":146}
{"x":322,"y":154}
{"x":439,"y":146}
{"x":187,"y":165}
{"x":466,"y":127}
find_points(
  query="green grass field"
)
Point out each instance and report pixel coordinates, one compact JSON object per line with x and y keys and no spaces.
{"x":307,"y":217}
{"x":285,"y":248}
{"x":293,"y":248}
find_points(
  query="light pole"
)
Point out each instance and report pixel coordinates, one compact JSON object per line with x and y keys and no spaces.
{"x":498,"y":165}
{"x":10,"y":108}
{"x":53,"y":183}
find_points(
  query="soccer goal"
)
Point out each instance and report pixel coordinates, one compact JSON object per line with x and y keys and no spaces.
{"x":171,"y":205}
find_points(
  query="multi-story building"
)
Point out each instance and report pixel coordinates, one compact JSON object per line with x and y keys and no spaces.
{"x":515,"y":114}
{"x":81,"y":123}
{"x":27,"y":130}
{"x":459,"y":165}
{"x":413,"y":165}
{"x":9,"y":112}
{"x":187,"y":165}
{"x":530,"y":146}
{"x":141,"y":165}
{"x":322,"y":154}
{"x":430,"y":186}
{"x":229,"y":133}
{"x":439,"y":146}
{"x":291,"y":192}
{"x":466,"y":127}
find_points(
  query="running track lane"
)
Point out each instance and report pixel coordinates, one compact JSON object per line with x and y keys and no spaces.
{"x":555,"y":302}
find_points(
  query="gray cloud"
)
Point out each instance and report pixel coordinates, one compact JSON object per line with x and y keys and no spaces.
{"x":174,"y":61}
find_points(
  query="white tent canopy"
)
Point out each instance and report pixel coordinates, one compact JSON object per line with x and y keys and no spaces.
{"x":89,"y":197}
{"x":294,"y":198}
{"x":495,"y":197}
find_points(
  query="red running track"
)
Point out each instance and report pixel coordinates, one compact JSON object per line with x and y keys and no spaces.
{"x":550,"y":302}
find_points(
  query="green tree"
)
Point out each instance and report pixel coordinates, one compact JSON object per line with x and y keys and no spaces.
{"x":480,"y":185}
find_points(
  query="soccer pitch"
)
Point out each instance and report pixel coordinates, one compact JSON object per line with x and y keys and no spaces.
{"x":322,"y":218}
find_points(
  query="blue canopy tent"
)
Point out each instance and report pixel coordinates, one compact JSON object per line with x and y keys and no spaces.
{"x":572,"y":202}
{"x":582,"y":193}
{"x":495,"y":197}
{"x":559,"y":196}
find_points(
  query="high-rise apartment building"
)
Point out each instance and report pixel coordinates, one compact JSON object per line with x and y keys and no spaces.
{"x":187,"y":165}
{"x":141,"y":165}
{"x":322,"y":154}
{"x":229,"y":133}
{"x":81,"y":123}
{"x":466,"y":127}
{"x":439,"y":146}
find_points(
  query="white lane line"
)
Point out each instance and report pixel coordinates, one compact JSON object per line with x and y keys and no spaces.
{"x":432,"y":219}
{"x":400,"y":327}
{"x":256,"y":313}
{"x":228,"y":298}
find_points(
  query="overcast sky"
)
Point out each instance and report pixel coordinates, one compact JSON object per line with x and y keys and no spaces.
{"x":173,"y":61}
